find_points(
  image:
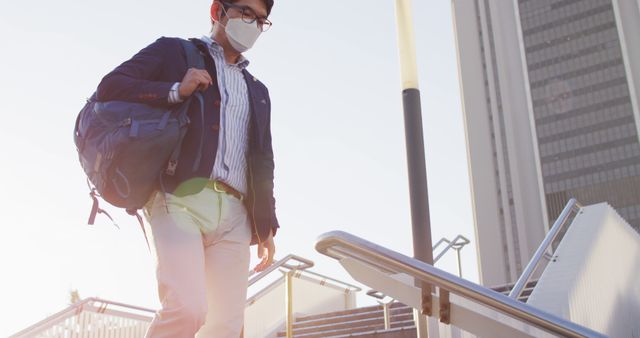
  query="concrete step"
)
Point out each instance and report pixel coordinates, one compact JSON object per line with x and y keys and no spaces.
{"x":355,"y":325}
{"x":346,"y":316}
{"x":366,"y":321}
{"x":343,"y":312}
{"x":402,"y":332}
{"x":356,"y":331}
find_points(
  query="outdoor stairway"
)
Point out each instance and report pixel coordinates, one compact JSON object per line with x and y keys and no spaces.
{"x":525,"y":292}
{"x":361,"y":322}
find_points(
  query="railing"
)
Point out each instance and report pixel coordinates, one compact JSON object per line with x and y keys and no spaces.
{"x":456,"y":244}
{"x":84,"y":315}
{"x":77,"y":317}
{"x":555,"y":231}
{"x":343,"y":246}
{"x":283,"y":263}
{"x":333,"y":283}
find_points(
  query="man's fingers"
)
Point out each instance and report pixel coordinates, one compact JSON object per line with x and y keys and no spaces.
{"x":204,"y":76}
{"x":202,"y":81}
{"x":202,"y":86}
{"x":207,"y":76}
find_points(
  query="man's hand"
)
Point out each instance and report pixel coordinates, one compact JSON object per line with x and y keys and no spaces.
{"x":266,"y":250}
{"x":194,"y":79}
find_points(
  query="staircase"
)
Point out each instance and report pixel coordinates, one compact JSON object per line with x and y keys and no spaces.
{"x":524,"y":296}
{"x":361,"y":322}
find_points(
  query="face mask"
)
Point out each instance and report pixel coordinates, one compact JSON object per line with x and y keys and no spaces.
{"x":241,"y":35}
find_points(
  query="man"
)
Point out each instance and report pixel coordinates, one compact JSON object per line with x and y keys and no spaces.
{"x":220,"y":199}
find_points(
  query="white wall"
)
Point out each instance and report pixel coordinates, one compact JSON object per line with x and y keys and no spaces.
{"x":628,"y":19}
{"x":266,"y":316}
{"x":594,"y":279}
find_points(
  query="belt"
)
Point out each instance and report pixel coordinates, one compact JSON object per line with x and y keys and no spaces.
{"x":225,"y":188}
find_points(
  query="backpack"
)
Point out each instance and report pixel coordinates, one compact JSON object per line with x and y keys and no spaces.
{"x":124,"y":147}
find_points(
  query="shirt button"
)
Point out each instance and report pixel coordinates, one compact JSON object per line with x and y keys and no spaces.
{"x":254,"y":79}
{"x":215,"y":127}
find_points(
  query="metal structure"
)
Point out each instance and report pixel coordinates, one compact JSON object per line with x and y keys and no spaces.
{"x":303,"y":264}
{"x":379,"y":263}
{"x":93,"y":317}
{"x":456,"y":244}
{"x":299,"y":274}
{"x":555,"y":231}
{"x":283,"y":263}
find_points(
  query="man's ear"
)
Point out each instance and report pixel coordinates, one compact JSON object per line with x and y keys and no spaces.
{"x":215,"y":8}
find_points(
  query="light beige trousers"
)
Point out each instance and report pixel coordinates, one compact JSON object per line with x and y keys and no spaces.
{"x":201,"y":247}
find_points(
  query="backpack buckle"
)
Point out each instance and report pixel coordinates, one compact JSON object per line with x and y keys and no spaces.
{"x":171,"y":168}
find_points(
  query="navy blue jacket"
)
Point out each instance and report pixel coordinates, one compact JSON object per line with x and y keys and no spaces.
{"x":148,"y":77}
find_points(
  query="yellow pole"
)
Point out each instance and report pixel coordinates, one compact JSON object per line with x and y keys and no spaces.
{"x":406,"y":45}
{"x":289,"y":303}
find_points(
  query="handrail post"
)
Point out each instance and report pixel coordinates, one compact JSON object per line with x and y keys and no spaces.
{"x":289,"y":303}
{"x":387,"y":315}
{"x":517,"y":289}
{"x":459,"y":261}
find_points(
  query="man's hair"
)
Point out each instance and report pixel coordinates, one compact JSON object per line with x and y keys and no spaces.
{"x":268,"y":3}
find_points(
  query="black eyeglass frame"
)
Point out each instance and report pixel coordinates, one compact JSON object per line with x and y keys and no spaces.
{"x":263,"y":23}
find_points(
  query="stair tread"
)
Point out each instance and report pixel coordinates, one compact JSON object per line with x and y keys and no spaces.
{"x":348,"y":331}
{"x":355,"y":323}
{"x":369,"y":333}
{"x":328,"y":331}
{"x":344,"y":313}
{"x":398,"y":311}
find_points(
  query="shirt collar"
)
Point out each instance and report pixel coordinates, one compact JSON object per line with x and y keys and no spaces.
{"x":215,"y":47}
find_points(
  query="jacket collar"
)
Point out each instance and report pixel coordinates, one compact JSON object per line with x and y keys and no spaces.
{"x":214,"y":47}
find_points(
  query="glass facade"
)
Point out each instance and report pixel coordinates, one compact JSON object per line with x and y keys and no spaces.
{"x":587,"y":136}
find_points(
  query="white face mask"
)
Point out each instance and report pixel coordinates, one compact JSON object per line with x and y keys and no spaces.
{"x":241,"y":35}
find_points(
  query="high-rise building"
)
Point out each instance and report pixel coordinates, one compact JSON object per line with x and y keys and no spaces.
{"x":551,"y":92}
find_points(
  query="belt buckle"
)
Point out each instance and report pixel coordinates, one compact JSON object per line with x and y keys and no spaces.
{"x":217,"y":188}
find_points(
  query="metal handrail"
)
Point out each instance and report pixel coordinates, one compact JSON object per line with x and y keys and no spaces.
{"x":88,"y":304}
{"x":338,"y":244}
{"x":304,"y":264}
{"x":101,"y":306}
{"x":572,"y":205}
{"x":457,"y":244}
{"x":348,"y":287}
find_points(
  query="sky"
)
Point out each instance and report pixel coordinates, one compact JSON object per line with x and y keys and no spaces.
{"x":338,"y":137}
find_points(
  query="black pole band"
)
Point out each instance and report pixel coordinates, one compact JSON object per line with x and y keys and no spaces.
{"x":421,"y":224}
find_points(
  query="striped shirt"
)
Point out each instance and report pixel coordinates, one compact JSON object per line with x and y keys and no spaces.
{"x":230,"y":166}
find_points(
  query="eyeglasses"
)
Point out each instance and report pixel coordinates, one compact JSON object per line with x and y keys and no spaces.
{"x":250,"y":16}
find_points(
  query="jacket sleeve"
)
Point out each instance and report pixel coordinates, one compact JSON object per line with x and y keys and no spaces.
{"x":269,"y":166}
{"x":136,"y":80}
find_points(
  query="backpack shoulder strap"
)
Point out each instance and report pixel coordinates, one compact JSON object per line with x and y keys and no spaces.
{"x":195,"y":59}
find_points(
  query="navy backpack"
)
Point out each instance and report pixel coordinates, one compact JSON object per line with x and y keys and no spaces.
{"x":125,"y":147}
